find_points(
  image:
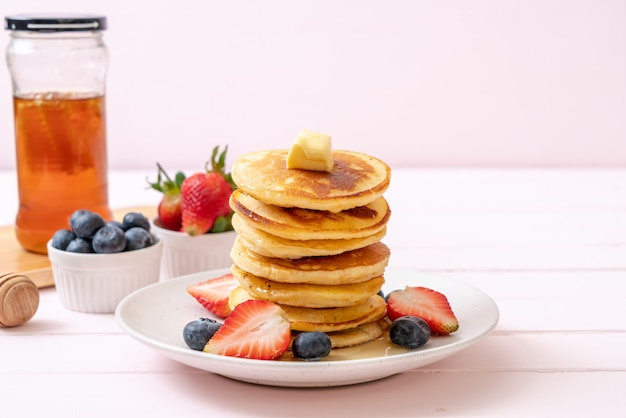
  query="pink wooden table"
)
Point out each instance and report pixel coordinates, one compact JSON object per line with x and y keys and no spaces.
{"x":549,"y":246}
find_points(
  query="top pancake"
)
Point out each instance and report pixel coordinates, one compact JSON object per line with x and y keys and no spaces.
{"x":356,"y":180}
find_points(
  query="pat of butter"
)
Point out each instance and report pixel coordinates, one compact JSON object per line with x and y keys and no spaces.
{"x":311,"y":151}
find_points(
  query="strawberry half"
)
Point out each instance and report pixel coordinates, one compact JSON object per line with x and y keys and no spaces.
{"x":255,"y":329}
{"x":213,"y":294}
{"x":425,"y":303}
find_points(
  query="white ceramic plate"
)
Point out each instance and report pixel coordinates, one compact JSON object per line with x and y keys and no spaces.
{"x":157,"y":314}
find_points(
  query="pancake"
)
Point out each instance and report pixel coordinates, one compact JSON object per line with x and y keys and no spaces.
{"x":323,"y":319}
{"x":375,"y":314}
{"x":354,"y":336}
{"x":273,"y":246}
{"x":356,"y":180}
{"x":358,"y":335}
{"x":305,"y":224}
{"x":348,"y":267}
{"x":307,"y":295}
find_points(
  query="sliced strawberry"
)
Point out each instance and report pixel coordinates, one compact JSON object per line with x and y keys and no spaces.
{"x":213,"y":294}
{"x":255,"y":329}
{"x":428,"y":304}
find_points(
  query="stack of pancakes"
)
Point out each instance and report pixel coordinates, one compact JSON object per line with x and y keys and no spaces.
{"x":310,"y":241}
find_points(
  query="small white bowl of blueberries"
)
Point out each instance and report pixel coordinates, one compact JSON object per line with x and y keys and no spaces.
{"x":96,"y":263}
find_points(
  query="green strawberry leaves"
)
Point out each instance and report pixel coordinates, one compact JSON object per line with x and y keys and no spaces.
{"x":217,"y":163}
{"x":165,"y":184}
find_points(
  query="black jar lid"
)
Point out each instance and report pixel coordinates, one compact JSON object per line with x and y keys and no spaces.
{"x":55,"y":23}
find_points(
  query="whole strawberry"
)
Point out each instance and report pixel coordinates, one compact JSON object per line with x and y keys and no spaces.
{"x":204,"y":197}
{"x":169,"y":210}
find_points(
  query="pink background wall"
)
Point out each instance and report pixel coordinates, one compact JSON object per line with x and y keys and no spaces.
{"x":417,"y":83}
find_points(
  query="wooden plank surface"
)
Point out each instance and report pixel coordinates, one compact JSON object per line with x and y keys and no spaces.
{"x":14,"y":259}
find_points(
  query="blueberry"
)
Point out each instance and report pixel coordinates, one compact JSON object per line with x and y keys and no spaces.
{"x":197,"y":333}
{"x":115,"y":223}
{"x":409,"y":331}
{"x":79,"y":245}
{"x":85,"y":223}
{"x":132,"y":219}
{"x":311,"y":346}
{"x":76,"y":214}
{"x":137,"y":238}
{"x":62,"y":238}
{"x":109,"y":239}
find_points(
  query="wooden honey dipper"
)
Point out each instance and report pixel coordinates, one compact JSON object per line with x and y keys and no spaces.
{"x":19,"y":299}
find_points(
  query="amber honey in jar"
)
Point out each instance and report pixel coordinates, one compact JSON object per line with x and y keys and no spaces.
{"x":58,"y":67}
